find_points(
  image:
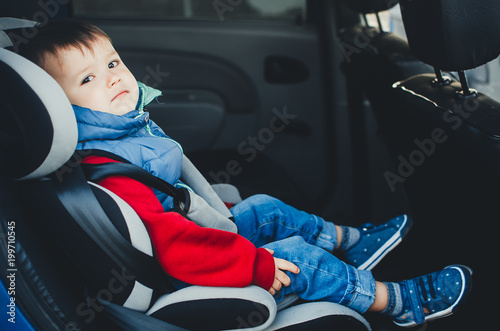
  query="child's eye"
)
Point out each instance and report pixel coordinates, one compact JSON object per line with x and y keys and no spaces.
{"x":112,"y":64}
{"x":87,"y":79}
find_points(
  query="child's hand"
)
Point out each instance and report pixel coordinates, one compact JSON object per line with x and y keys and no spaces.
{"x":281,"y":278}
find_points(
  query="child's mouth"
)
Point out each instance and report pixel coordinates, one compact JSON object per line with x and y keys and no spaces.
{"x":122,"y":93}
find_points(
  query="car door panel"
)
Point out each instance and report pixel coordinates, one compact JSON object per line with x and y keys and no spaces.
{"x":267,"y":77}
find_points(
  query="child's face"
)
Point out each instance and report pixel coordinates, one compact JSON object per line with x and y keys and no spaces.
{"x":95,"y":79}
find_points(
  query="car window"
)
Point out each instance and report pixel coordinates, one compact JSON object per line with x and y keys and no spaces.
{"x":385,"y":19}
{"x":191,"y":9}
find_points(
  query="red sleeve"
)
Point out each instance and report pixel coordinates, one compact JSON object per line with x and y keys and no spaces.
{"x":188,"y":252}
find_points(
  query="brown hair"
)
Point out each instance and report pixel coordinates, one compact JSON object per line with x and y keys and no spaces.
{"x":61,"y":34}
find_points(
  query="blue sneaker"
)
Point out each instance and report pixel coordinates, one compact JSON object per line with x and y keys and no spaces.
{"x":435,"y":295}
{"x":376,"y":241}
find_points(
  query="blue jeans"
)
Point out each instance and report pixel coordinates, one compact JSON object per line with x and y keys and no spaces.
{"x":305,"y":240}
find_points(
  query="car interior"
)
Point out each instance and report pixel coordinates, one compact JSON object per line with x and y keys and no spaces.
{"x":318,"y":103}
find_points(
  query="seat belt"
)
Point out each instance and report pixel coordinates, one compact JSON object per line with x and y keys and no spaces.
{"x":192,"y":177}
{"x":77,"y":197}
{"x":188,"y":204}
{"x":98,"y":172}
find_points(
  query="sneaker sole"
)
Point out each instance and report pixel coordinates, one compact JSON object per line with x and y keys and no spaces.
{"x":386,"y":248}
{"x":464,"y":294}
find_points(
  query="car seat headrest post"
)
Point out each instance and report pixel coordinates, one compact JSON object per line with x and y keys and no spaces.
{"x":379,"y":22}
{"x":466,"y":91}
{"x":439,"y":76}
{"x":365,"y":19}
{"x":440,"y":79}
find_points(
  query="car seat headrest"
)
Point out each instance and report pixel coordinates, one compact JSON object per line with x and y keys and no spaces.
{"x":38,"y":129}
{"x":453,"y":35}
{"x":370,"y":6}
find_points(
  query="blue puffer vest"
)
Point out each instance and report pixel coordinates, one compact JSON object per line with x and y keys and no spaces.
{"x":134,"y":137}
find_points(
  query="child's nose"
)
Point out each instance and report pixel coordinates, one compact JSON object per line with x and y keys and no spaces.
{"x":113,"y":79}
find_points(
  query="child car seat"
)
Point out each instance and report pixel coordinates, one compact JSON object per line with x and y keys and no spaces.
{"x":85,"y":260}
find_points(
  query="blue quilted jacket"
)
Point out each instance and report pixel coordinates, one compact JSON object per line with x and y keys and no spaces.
{"x":134,"y":137}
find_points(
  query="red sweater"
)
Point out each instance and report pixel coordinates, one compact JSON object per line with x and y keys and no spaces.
{"x":188,"y":252}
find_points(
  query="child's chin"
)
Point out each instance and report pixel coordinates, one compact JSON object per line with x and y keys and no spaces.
{"x":119,"y":111}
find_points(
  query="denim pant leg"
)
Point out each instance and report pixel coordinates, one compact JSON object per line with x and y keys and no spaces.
{"x":263,"y":219}
{"x":324,"y":277}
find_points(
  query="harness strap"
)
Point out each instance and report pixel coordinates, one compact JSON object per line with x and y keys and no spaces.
{"x":192,"y":177}
{"x":189,"y":205}
{"x":98,"y":172}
